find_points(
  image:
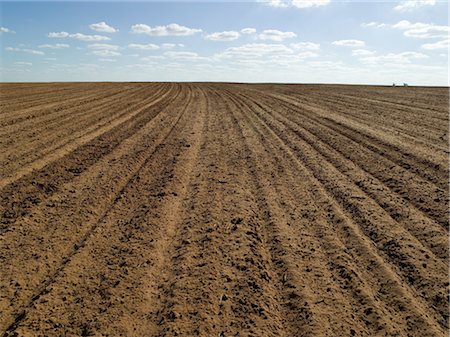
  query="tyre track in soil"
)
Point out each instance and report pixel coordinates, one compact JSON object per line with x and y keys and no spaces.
{"x":35,"y":142}
{"x":227,"y":214}
{"x":408,"y":160}
{"x":429,"y":232}
{"x":428,"y":196}
{"x":305,"y":249}
{"x":221,"y":280}
{"x":371,"y":312}
{"x":111,"y":263}
{"x":332,"y":115}
{"x":47,"y":230}
{"x":409,"y":258}
{"x":55,"y":125}
{"x":429,"y":126}
{"x":27,"y":99}
{"x":21,"y":195}
{"x":41,"y":111}
{"x":60,"y":146}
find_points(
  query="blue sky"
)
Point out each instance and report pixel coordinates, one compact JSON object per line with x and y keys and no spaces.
{"x":295,"y":41}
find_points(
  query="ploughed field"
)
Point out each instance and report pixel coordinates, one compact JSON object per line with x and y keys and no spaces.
{"x":200,"y":209}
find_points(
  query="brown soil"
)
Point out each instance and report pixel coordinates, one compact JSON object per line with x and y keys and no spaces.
{"x":167,"y":209}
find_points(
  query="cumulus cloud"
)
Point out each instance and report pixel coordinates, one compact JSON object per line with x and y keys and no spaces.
{"x":362,"y":52}
{"x":417,"y":30}
{"x":89,"y":38}
{"x":149,"y":46}
{"x":255,"y":50}
{"x":20,"y":63}
{"x":309,"y":3}
{"x":103,"y":27}
{"x":276,"y":35}
{"x":24,"y":50}
{"x":103,"y":46}
{"x":248,"y":31}
{"x":172,"y":29}
{"x":409,"y":5}
{"x":305,"y":46}
{"x":106,"y":53}
{"x":349,"y":43}
{"x":223,"y":36}
{"x":54,"y":46}
{"x":374,"y":25}
{"x":107,"y":60}
{"x":421,"y":30}
{"x":58,"y":35}
{"x":184,"y":55}
{"x":168,"y":45}
{"x":77,"y":36}
{"x":444,"y":44}
{"x":307,"y":54}
{"x":297,"y":3}
{"x":5,"y":30}
{"x":393,"y":58}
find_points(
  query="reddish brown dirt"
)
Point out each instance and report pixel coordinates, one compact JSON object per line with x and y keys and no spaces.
{"x":166,"y":209}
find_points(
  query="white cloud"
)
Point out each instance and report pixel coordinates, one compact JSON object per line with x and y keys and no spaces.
{"x":307,"y":54}
{"x":309,"y":3}
{"x":276,"y":35}
{"x":444,"y":44}
{"x":421,"y":30}
{"x":297,"y":3}
{"x":184,"y":55}
{"x":28,"y":64}
{"x":103,"y":46}
{"x":5,"y":30}
{"x":248,"y":31}
{"x":28,"y":51}
{"x":77,"y":36}
{"x":149,"y":46}
{"x":278,"y":3}
{"x":374,"y":24}
{"x":107,"y":60}
{"x":58,"y":35}
{"x":106,"y":53}
{"x":223,"y":36}
{"x":255,"y":50}
{"x":168,"y":45}
{"x":349,"y":43}
{"x":172,"y":29}
{"x":392,"y":58}
{"x":89,"y":38}
{"x":54,"y":46}
{"x":103,"y":27}
{"x":409,"y":5}
{"x":305,"y":46}
{"x":152,"y":58}
{"x":362,"y":52}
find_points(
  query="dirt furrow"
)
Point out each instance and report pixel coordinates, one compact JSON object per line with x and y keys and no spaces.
{"x":341,"y":155}
{"x":46,"y":135}
{"x":428,"y":165}
{"x":60,"y":148}
{"x":415,"y":266}
{"x":356,"y":289}
{"x":215,"y":209}
{"x":42,"y":112}
{"x":114,"y":273}
{"x":23,"y":194}
{"x":93,"y":192}
{"x":427,"y":196}
{"x":219,"y":282}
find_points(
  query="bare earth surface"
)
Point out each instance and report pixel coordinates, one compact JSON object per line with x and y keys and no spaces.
{"x":166,"y":209}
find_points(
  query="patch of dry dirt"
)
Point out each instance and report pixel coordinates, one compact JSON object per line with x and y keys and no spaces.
{"x":166,"y":209}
